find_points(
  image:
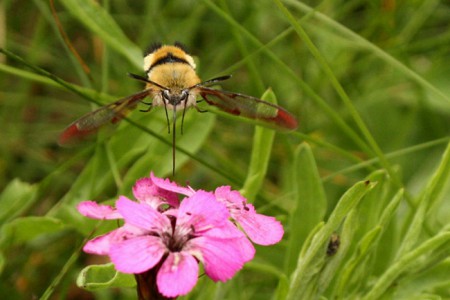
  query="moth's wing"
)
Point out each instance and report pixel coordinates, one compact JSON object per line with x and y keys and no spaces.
{"x":249,"y":107}
{"x":90,"y":123}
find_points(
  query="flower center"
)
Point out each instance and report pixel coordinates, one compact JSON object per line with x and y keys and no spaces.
{"x":177,"y":237}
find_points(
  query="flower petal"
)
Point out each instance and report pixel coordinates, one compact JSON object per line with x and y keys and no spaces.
{"x":168,"y":185}
{"x":230,"y":231}
{"x":246,"y":249}
{"x":230,"y":197}
{"x":222,"y":192}
{"x":178,"y":274}
{"x":137,"y":255}
{"x":141,"y":215}
{"x":261,"y":229}
{"x":101,"y":244}
{"x":202,"y":211}
{"x":221,"y":257}
{"x":94,"y":210}
{"x":146,"y":191}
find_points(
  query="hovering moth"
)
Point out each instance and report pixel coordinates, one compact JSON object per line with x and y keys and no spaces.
{"x":172,"y":82}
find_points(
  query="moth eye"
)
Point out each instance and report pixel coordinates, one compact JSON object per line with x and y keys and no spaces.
{"x":166,"y":94}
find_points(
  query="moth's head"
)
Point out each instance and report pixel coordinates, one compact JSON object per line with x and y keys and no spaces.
{"x":175,"y":96}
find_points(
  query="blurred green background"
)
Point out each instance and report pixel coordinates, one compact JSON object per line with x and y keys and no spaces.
{"x":391,"y":59}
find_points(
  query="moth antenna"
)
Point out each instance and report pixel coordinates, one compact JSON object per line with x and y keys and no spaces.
{"x":214,"y":80}
{"x":141,"y":78}
{"x":210,"y":81}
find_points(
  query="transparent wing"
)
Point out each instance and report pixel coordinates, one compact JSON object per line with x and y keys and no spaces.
{"x":249,"y":107}
{"x":90,"y":123}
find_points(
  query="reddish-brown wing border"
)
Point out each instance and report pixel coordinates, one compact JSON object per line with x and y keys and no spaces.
{"x":89,"y":124}
{"x":249,"y":107}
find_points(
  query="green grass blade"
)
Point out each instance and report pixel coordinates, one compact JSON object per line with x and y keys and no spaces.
{"x":403,"y":263}
{"x":339,"y":89}
{"x":94,"y":17}
{"x":364,"y":43}
{"x":331,"y":113}
{"x":430,"y":196}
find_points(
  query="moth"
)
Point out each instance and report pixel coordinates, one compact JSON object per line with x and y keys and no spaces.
{"x":173,"y":83}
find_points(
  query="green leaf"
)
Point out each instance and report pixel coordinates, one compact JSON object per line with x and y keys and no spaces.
{"x":388,"y":242}
{"x":2,"y":262}
{"x":370,"y":209}
{"x":405,"y":262}
{"x":361,"y":261}
{"x":333,"y":263}
{"x":97,"y":277}
{"x":282,"y":288}
{"x":25,"y":229}
{"x":309,"y":265}
{"x":262,"y":147}
{"x":437,"y":276}
{"x":354,"y":268}
{"x":15,"y":199}
{"x":428,"y":198}
{"x":311,"y":202}
{"x":94,"y":17}
{"x":435,"y":190}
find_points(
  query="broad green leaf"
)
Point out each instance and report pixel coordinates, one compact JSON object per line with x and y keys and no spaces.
{"x":361,"y":260}
{"x":309,"y":239}
{"x":304,"y":250}
{"x":262,"y":147}
{"x":370,"y":209}
{"x":308,"y":264}
{"x":25,"y":229}
{"x":333,"y":263}
{"x":311,"y":203}
{"x":16,"y":198}
{"x":97,"y":277}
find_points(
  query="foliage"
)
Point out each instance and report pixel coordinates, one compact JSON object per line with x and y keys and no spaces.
{"x":361,"y":187}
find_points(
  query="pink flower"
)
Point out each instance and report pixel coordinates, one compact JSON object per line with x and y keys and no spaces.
{"x":261,"y":229}
{"x":170,"y":238}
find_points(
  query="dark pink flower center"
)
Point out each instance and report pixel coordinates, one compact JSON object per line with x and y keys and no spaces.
{"x":177,"y":238}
